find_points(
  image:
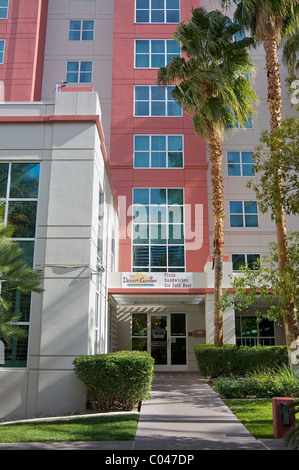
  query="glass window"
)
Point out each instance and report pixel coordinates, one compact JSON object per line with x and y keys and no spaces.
{"x":240,"y":260}
{"x":19,"y":191}
{"x":81,"y":30}
{"x":240,"y":164}
{"x":157,"y":11}
{"x":2,"y":47}
{"x":158,"y":151}
{"x":158,"y":229}
{"x":251,"y":332}
{"x":79,"y":72}
{"x":155,"y":53}
{"x":155,"y":101}
{"x":243,"y":214}
{"x":3,"y":8}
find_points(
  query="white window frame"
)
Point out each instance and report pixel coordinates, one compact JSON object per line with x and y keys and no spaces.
{"x":150,"y":54}
{"x":79,"y":71}
{"x":3,"y":8}
{"x":150,"y":101}
{"x":240,"y":164}
{"x":244,"y":214}
{"x":151,"y":152}
{"x":81,"y":30}
{"x":2,"y":51}
{"x":155,"y":212}
{"x":164,"y":9}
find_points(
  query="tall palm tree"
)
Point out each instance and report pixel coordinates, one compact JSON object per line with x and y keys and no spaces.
{"x":270,"y":22}
{"x":212,"y":85}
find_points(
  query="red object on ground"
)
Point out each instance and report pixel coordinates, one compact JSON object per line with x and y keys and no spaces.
{"x":283,"y":419}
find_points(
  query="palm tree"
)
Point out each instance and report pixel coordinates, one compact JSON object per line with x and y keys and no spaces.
{"x":212,"y":85}
{"x":15,"y":275}
{"x":290,"y":53}
{"x":270,"y":22}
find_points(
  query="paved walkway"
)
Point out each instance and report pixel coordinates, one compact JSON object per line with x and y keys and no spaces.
{"x":185,"y":414}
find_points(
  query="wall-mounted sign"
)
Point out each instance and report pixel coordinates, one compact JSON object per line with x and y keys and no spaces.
{"x":158,"y":280}
{"x":197,"y":333}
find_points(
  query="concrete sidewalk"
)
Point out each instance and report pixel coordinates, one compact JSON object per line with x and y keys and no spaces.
{"x":184,"y":414}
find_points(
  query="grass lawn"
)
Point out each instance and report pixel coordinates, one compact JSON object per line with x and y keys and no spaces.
{"x":94,"y":428}
{"x":256,"y":415}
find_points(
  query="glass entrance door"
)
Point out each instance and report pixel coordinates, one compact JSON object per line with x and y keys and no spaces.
{"x":164,"y":337}
{"x":168,"y":342}
{"x":159,"y":341}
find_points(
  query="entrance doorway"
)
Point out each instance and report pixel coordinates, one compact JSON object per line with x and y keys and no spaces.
{"x":163,"y":337}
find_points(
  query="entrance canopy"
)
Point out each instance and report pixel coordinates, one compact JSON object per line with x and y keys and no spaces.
{"x":122,"y":299}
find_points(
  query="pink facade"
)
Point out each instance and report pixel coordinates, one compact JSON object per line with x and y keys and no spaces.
{"x":192,"y":177}
{"x":24,"y":32}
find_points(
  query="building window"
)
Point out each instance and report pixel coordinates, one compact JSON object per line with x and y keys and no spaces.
{"x":81,"y":30}
{"x":79,"y":72}
{"x":157,"y":11}
{"x":155,"y":101}
{"x":3,"y":9}
{"x":249,"y":260}
{"x":158,"y":230}
{"x":250,"y":332}
{"x":158,"y":151}
{"x":240,"y":164}
{"x":155,"y":53}
{"x":243,"y":214}
{"x":2,"y":47}
{"x":19,"y":192}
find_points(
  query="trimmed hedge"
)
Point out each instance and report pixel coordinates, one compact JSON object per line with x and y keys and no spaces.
{"x":118,"y":380}
{"x":213,"y":361}
{"x":261,"y":384}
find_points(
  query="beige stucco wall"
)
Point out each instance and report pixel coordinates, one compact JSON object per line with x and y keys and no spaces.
{"x":63,"y":317}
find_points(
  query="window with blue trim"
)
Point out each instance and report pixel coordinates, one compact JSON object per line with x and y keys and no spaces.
{"x":157,"y":11}
{"x":79,"y":72}
{"x":2,"y":47}
{"x":155,"y":53}
{"x":158,"y":230}
{"x":240,"y":164}
{"x":4,"y":9}
{"x":158,"y":151}
{"x":155,"y":101}
{"x":81,"y":30}
{"x":243,"y":214}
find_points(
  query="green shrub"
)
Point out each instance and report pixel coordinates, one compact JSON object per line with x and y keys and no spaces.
{"x":259,"y":384}
{"x":213,"y":361}
{"x":117,"y":380}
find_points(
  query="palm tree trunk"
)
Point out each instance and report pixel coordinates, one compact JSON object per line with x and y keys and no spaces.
{"x":215,"y":150}
{"x":274,"y":102}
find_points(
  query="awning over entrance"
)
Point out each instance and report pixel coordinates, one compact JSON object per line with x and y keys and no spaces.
{"x":121,"y":299}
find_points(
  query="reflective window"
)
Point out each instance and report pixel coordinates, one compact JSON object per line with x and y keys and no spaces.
{"x":158,"y":151}
{"x":240,"y":164}
{"x":158,"y":230}
{"x":81,"y":30}
{"x":155,"y":53}
{"x":243,"y":214}
{"x":3,"y":8}
{"x":155,"y":101}
{"x":19,"y":184}
{"x":157,"y":11}
{"x":79,"y":72}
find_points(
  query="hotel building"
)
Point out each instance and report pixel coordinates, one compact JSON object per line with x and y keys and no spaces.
{"x":119,"y":212}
